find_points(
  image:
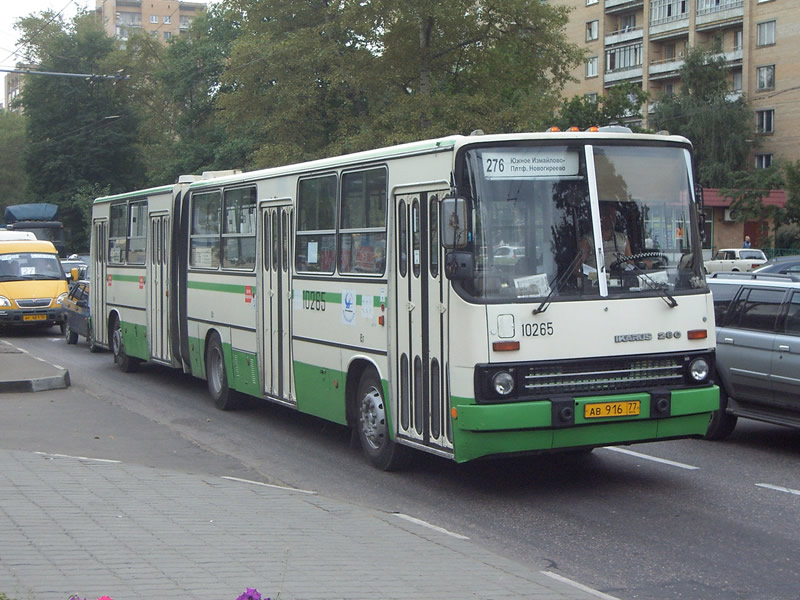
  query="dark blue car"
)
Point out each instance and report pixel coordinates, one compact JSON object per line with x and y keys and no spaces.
{"x":77,"y":321}
{"x":787,"y":265}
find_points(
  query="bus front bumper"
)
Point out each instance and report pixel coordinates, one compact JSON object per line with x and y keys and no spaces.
{"x":49,"y":316}
{"x":526,"y":427}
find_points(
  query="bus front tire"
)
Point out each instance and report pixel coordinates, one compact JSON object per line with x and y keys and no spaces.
{"x":373,"y":426}
{"x":721,"y":424}
{"x":217,"y":377}
{"x":127,"y":364}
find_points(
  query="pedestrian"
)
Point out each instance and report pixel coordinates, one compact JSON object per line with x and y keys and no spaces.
{"x":746,"y":242}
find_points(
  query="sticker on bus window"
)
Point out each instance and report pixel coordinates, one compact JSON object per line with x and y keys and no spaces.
{"x":313,"y":253}
{"x":526,"y":163}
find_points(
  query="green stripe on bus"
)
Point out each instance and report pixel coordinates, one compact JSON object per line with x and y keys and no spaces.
{"x":229,"y":288}
{"x":128,"y":278}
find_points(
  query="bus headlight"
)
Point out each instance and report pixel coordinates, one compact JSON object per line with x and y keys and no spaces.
{"x":60,"y":298}
{"x":503,"y":383}
{"x":699,"y":369}
{"x":5,"y":301}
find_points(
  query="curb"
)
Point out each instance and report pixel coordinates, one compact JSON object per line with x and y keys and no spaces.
{"x":55,"y":378}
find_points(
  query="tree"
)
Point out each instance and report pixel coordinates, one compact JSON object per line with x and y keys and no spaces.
{"x":719,"y":126}
{"x":12,"y":168}
{"x":79,"y":132}
{"x":312,"y":78}
{"x":622,"y":104}
{"x":747,"y":198}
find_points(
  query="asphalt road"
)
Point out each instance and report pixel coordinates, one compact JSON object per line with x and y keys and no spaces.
{"x":686,"y":519}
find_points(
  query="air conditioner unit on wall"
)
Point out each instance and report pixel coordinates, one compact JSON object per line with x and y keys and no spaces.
{"x":729,"y":216}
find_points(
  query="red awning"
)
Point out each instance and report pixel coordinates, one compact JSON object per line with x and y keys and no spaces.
{"x":712,"y":198}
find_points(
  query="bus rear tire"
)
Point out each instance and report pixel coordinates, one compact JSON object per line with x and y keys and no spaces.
{"x":127,"y":364}
{"x":373,"y":426}
{"x":217,"y":377}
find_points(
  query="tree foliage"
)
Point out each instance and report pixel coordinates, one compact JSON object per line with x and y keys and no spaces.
{"x":79,"y":132}
{"x":719,"y":126}
{"x":12,"y":168}
{"x":622,"y":104}
{"x":747,"y":194}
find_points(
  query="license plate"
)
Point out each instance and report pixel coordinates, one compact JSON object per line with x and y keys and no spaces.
{"x":34,"y":317}
{"x":611,"y":409}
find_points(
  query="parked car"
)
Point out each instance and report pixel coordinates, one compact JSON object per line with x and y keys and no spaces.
{"x":781,"y":264}
{"x":735,"y":259}
{"x":758,"y":349}
{"x":77,"y":321}
{"x":508,"y":255}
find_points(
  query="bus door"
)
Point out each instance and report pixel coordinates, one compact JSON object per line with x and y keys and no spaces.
{"x":276,"y":302}
{"x":99,"y":276}
{"x":158,"y":330}
{"x":422,"y":412}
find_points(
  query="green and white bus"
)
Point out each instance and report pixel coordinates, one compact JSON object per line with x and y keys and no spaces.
{"x":443,"y":296}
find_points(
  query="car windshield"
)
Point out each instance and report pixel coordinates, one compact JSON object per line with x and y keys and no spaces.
{"x":535,"y":234}
{"x":30,"y":265}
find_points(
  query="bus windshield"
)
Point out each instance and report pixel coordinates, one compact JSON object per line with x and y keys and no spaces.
{"x":545,"y":217}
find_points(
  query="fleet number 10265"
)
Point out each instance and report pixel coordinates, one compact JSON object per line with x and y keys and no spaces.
{"x":537,"y":329}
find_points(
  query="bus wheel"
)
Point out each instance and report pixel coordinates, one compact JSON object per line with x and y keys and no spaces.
{"x":224,"y":398}
{"x":373,"y":426}
{"x":721,"y":424}
{"x":126,"y":363}
{"x":71,"y":336}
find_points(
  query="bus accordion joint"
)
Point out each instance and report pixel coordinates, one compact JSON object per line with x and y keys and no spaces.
{"x":505,"y":346}
{"x":697,"y":334}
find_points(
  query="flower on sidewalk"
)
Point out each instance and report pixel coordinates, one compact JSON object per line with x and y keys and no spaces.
{"x":251,"y":594}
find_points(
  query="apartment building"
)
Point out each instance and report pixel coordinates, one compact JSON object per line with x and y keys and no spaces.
{"x":163,"y":19}
{"x":645,"y":41}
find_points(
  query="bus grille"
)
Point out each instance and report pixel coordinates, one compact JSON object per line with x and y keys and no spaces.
{"x":599,"y":376}
{"x":34,"y":303}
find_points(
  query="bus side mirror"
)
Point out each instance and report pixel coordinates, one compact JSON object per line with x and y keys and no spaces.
{"x":74,"y":273}
{"x":454,"y":222}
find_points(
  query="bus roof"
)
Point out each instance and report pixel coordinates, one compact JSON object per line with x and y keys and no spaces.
{"x":163,"y":189}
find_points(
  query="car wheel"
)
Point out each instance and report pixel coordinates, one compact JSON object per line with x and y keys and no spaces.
{"x":126,"y":363}
{"x":373,"y":426}
{"x":69,"y":335}
{"x":722,"y":423}
{"x":217,"y":376}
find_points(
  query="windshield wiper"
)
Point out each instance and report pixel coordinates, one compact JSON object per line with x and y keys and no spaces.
{"x":656,"y":286}
{"x":559,"y":283}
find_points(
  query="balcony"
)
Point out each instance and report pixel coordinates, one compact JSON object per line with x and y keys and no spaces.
{"x":665,"y":68}
{"x":615,"y":6}
{"x":726,"y":11}
{"x":624,"y":35}
{"x":669,"y":26}
{"x":611,"y":78}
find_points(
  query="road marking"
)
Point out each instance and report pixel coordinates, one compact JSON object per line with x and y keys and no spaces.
{"x":652,"y":458}
{"x":580,"y":586}
{"x":778,"y":488}
{"x":102,"y":460}
{"x":430,"y":526}
{"x":269,"y":485}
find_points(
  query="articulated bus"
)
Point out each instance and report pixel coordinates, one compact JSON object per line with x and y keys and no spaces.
{"x":469,"y":296}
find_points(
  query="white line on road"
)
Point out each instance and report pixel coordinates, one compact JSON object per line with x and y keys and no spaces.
{"x":652,"y":458}
{"x":778,"y":488}
{"x":269,"y":485}
{"x":429,"y":526}
{"x":102,"y":460}
{"x":580,"y":586}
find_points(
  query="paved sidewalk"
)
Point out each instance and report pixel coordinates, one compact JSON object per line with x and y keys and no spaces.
{"x":94,"y":527}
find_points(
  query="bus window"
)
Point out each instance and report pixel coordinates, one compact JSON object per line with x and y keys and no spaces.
{"x":316,"y":225}
{"x":239,"y":229}
{"x":204,"y":240}
{"x":117,"y":235}
{"x":362,"y":232}
{"x":137,"y":233}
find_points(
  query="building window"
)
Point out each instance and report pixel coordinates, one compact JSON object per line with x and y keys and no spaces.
{"x":167,"y":35}
{"x":662,"y":11}
{"x":167,"y":20}
{"x":154,"y":19}
{"x":765,"y":121}
{"x":763,"y":161}
{"x":737,"y":39}
{"x":589,"y":2}
{"x":591,"y":67}
{"x":628,"y":22}
{"x":591,"y":97}
{"x":669,"y":51}
{"x":766,"y":33}
{"x":592,"y":30}
{"x":669,"y":89}
{"x":737,"y":81}
{"x":765,"y":77}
